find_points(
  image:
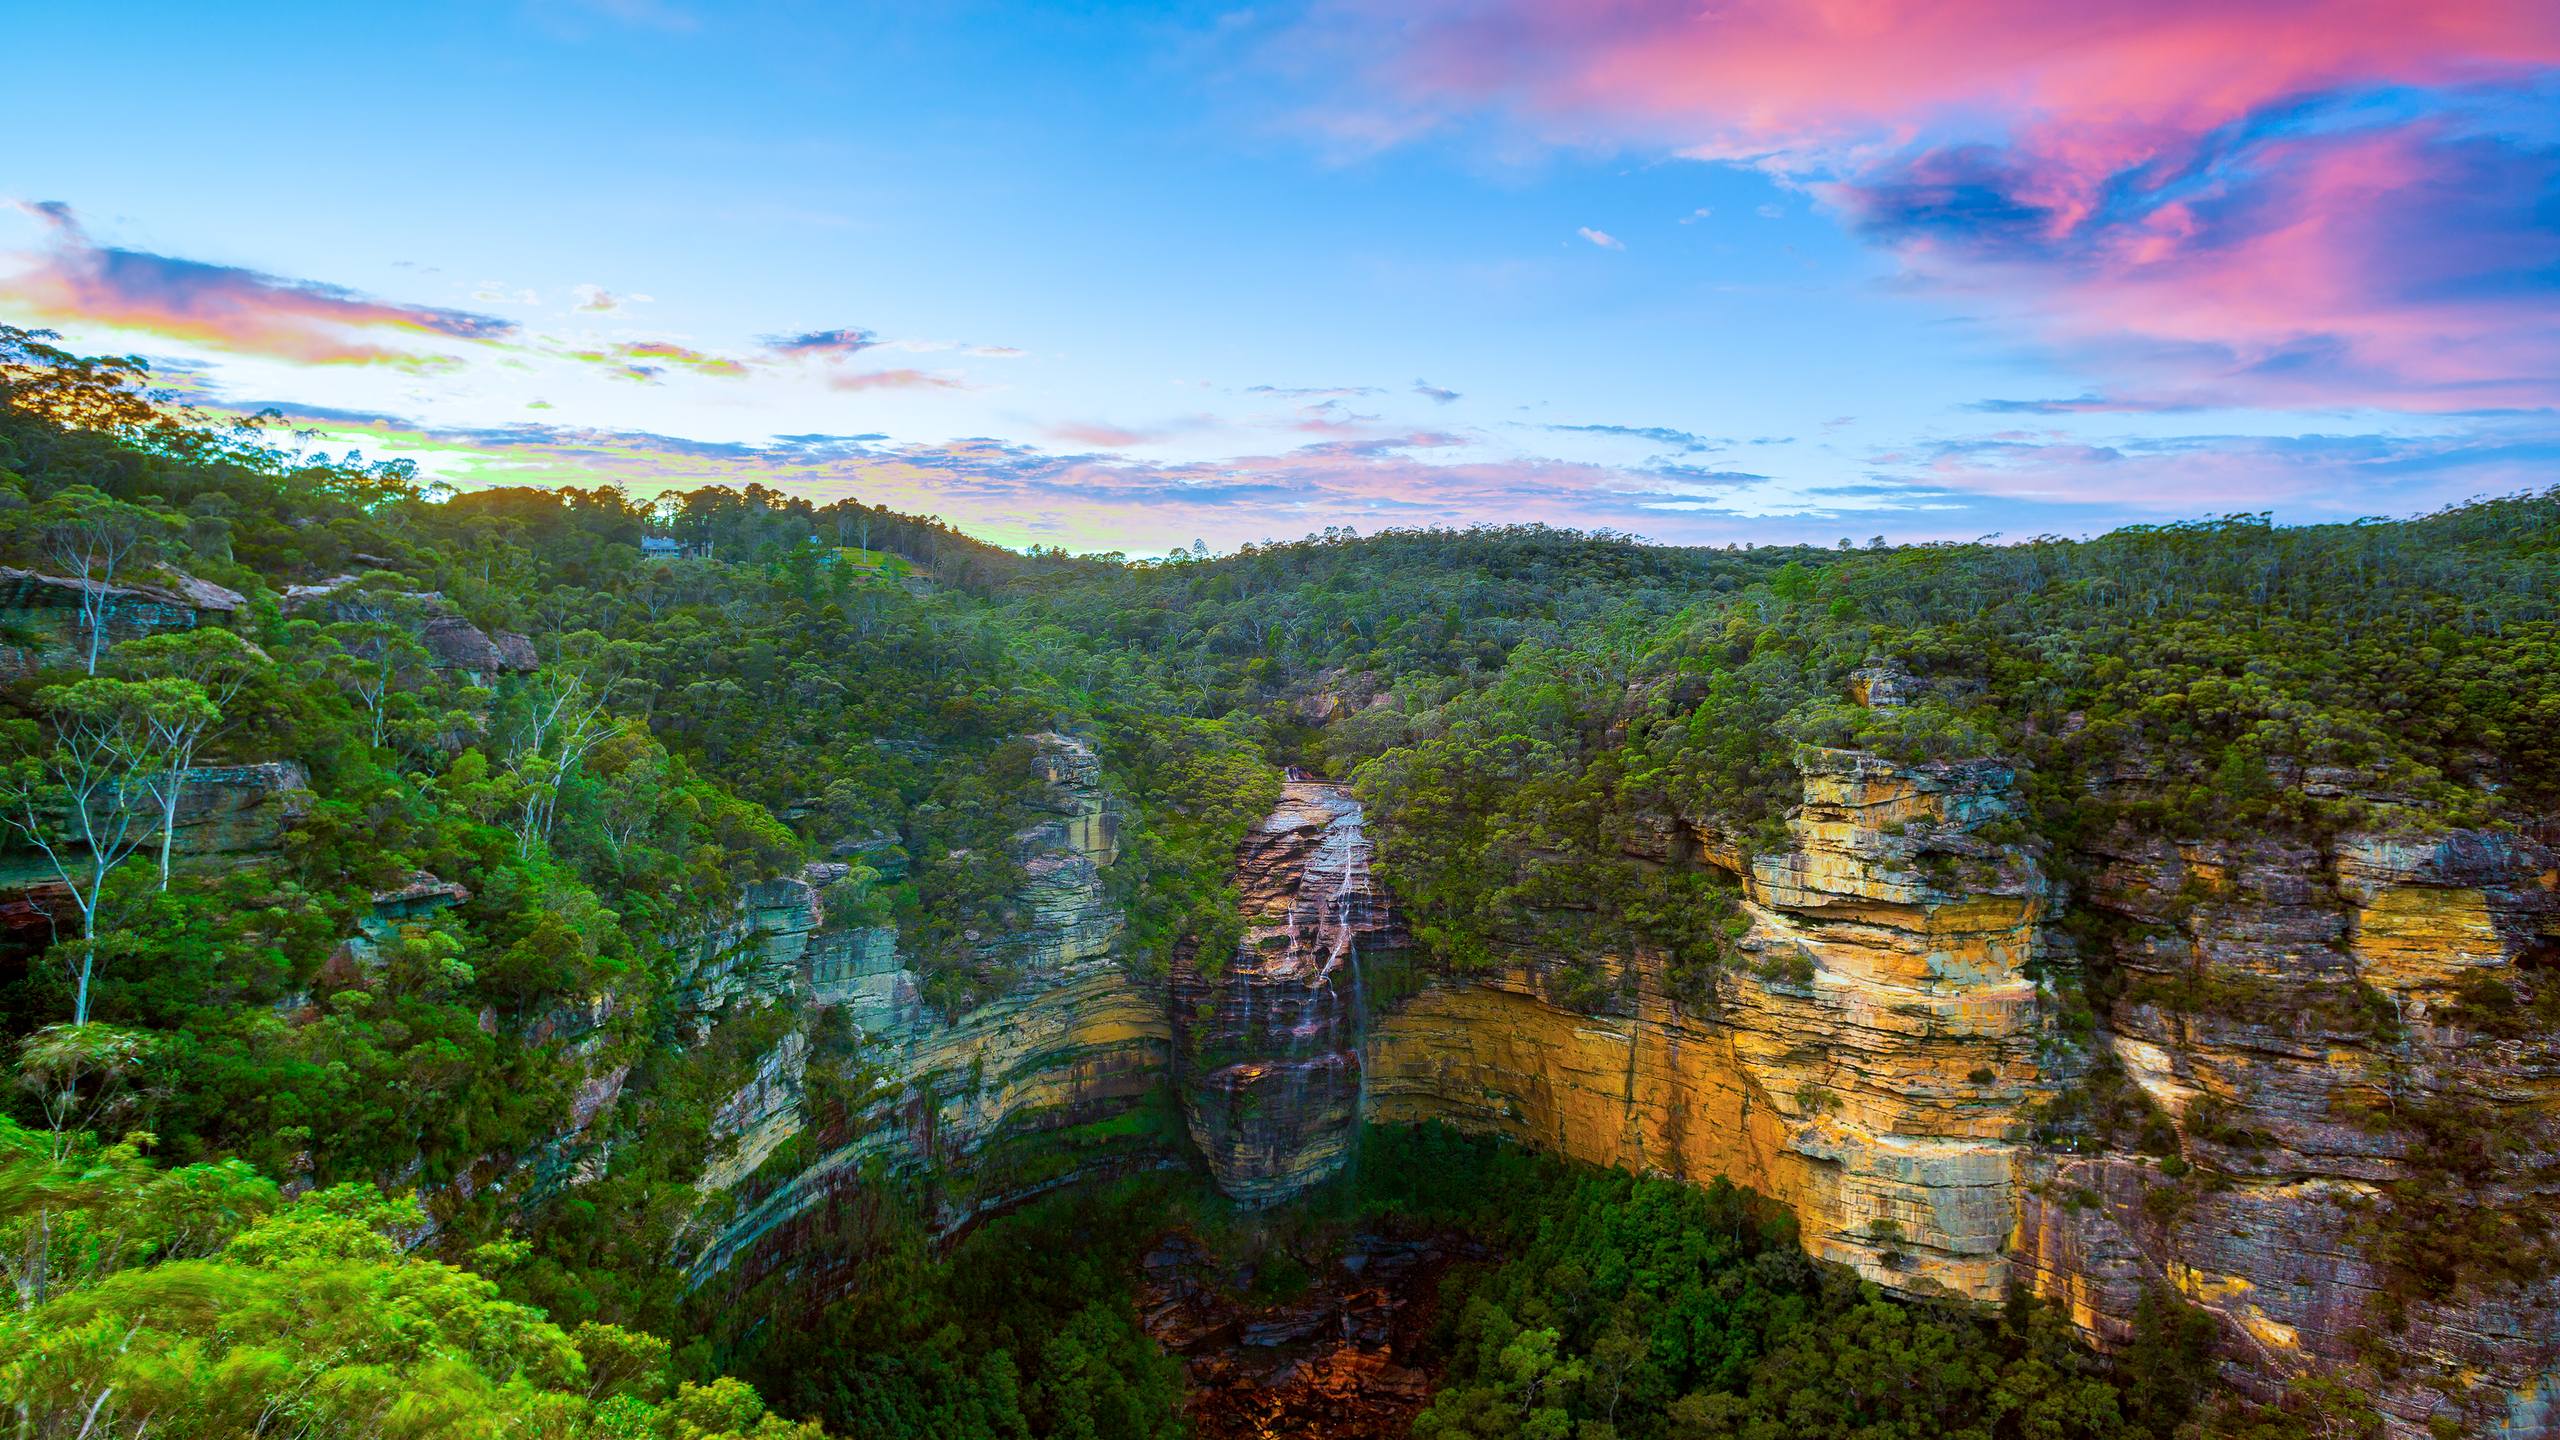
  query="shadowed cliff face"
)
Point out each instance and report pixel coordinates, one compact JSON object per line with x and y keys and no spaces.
{"x":1076,"y":1040}
{"x":1270,"y":1046}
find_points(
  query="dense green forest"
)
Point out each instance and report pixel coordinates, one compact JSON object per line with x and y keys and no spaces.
{"x":248,"y":1187}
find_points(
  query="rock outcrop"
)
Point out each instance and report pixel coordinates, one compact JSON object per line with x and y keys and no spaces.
{"x":228,"y":815}
{"x":45,"y":613}
{"x":451,"y":642}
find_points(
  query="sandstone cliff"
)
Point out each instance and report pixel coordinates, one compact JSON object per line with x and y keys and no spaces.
{"x":1074,"y":1042}
{"x":1872,"y":1069}
{"x":2336,"y":1040}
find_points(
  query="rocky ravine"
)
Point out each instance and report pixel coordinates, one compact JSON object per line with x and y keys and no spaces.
{"x":1877,"y":1062}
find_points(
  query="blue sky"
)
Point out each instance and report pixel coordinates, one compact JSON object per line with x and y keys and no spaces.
{"x":1120,"y":278}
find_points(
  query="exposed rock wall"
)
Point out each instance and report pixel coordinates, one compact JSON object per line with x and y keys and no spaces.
{"x":43,"y":613}
{"x":1872,"y":1071}
{"x":2328,"y":1024}
{"x":2298,"y":1014}
{"x":1075,"y":1039}
{"x":228,"y":815}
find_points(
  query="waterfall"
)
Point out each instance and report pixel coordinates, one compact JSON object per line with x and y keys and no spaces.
{"x":1349,"y":894}
{"x":1285,"y":1090}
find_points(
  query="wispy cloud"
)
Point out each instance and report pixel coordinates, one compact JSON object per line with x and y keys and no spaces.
{"x":597,"y":300}
{"x":1601,"y":238}
{"x":828,"y":343}
{"x":2090,"y":405}
{"x":662,"y":353}
{"x":1101,"y":435}
{"x":224,"y":307}
{"x":1436,"y":394}
{"x":1312,"y":392}
{"x":831,"y":348}
{"x":901,"y":379}
{"x":2317,"y":476}
{"x":1658,"y":434}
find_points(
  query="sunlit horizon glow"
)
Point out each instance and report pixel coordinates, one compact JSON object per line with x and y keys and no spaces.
{"x":1120,"y":280}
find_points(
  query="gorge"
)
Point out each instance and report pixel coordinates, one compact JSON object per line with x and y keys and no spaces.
{"x":1886,"y":1063}
{"x":944,"y":994}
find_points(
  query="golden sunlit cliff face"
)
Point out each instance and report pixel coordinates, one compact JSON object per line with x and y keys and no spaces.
{"x":1872,"y":1069}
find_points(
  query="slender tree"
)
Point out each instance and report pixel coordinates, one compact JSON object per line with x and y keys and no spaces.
{"x":94,"y":538}
{"x":216,"y":662}
{"x":567,"y":715}
{"x":79,"y":800}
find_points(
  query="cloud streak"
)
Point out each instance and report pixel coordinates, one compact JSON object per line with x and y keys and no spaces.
{"x":1091,"y":499}
{"x":224,"y":307}
{"x":828,"y":344}
{"x":2317,"y":476}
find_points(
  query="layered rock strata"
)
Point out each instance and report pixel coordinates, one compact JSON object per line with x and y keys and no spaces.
{"x":1871,"y":1067}
{"x":48,"y":616}
{"x":1074,"y":1040}
{"x":2340,"y":1032}
{"x":228,"y":815}
{"x":2343,"y":1043}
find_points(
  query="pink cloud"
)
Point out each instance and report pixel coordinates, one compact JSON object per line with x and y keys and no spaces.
{"x":223,"y":307}
{"x":2185,"y":193}
{"x":2108,"y":80}
{"x":1101,"y":435}
{"x":652,"y":353}
{"x":894,"y":380}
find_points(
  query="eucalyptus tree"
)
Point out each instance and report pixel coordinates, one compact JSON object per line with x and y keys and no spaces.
{"x":219,"y":664}
{"x":77,"y":801}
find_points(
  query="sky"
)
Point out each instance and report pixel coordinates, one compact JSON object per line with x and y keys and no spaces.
{"x":1123,"y":278}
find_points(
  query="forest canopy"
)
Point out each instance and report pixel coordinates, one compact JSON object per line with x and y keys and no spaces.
{"x":365,"y":825}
